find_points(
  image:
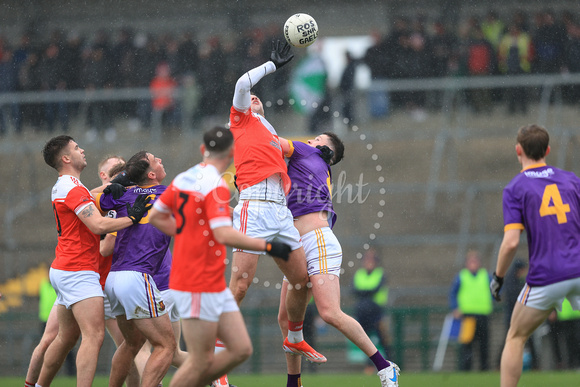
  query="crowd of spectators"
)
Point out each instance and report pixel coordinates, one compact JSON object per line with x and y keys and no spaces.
{"x":490,"y":45}
{"x":205,"y":70}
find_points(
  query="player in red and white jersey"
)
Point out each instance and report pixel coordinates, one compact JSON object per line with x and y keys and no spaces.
{"x":195,"y":209}
{"x":74,"y":272}
{"x":106,"y":169}
{"x":262,"y":211}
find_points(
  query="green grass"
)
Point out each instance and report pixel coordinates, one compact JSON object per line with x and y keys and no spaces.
{"x":486,"y":379}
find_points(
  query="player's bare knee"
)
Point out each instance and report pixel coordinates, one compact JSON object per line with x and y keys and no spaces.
{"x":46,"y":341}
{"x":168,"y":344}
{"x":96,"y":333}
{"x":298,"y":281}
{"x":68,"y":340}
{"x":244,"y":352}
{"x":172,"y":345}
{"x":331,"y":317}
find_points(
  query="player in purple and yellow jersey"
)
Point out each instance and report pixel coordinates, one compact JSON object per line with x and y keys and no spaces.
{"x":310,"y":200}
{"x":135,"y":299}
{"x":544,"y":201}
{"x":161,"y":278}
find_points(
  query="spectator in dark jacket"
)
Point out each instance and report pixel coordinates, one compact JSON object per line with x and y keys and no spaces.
{"x":9,"y":83}
{"x":548,"y":41}
{"x":52,"y":78}
{"x":346,"y":87}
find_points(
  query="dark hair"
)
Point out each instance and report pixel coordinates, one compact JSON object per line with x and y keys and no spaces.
{"x":337,"y":147}
{"x":52,"y":150}
{"x":116,"y":169}
{"x":218,"y":139}
{"x":137,"y":167}
{"x":534,"y":140}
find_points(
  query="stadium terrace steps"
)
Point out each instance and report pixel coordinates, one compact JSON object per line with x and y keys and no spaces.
{"x":417,"y":228}
{"x":420,"y":241}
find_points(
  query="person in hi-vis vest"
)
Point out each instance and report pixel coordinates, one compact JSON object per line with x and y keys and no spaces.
{"x":371,"y":293}
{"x":471,"y":302}
{"x":565,"y":327}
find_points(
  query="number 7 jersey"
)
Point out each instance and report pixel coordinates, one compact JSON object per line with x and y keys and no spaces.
{"x":545,"y":201}
{"x":199,"y":200}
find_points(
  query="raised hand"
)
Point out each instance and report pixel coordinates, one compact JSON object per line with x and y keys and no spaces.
{"x":123,"y":179}
{"x":280,"y":54}
{"x":115,"y":189}
{"x":139,"y":208}
{"x":326,"y":153}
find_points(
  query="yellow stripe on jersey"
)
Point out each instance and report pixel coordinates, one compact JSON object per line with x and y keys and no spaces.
{"x":514,"y":226}
{"x":98,"y":201}
{"x":290,"y":149}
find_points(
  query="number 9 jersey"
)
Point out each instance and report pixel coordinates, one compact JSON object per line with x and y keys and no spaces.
{"x":199,"y":200}
{"x":545,"y":201}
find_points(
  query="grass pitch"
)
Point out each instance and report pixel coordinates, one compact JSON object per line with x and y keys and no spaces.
{"x":455,"y":379}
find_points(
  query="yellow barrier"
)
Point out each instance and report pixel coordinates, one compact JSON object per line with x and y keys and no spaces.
{"x":27,"y":285}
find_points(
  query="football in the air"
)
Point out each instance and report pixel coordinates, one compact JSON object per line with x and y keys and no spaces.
{"x":300,"y":30}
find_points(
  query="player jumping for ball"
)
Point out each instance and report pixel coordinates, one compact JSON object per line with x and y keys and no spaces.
{"x":310,"y":201}
{"x":261,"y":212}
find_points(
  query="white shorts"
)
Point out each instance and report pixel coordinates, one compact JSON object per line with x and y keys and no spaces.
{"x":205,"y":306}
{"x":267,"y":220}
{"x":108,"y":311}
{"x":323,"y":252}
{"x":134,"y":294}
{"x":169,"y":300}
{"x":551,"y":296}
{"x":74,"y":286}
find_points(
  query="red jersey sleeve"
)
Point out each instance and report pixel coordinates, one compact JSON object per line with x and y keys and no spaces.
{"x":217,"y":207}
{"x":78,"y":198}
{"x":166,"y":202}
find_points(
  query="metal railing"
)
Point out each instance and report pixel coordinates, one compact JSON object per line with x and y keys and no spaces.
{"x":443,"y":154}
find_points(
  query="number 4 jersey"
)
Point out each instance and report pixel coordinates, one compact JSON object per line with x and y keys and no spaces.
{"x":545,"y":201}
{"x":199,"y":200}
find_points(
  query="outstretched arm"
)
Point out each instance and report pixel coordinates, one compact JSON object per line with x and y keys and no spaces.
{"x":279,"y":57}
{"x":227,"y":235}
{"x":242,"y":98}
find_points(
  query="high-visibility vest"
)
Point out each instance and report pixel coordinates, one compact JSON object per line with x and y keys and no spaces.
{"x":523,"y":43}
{"x":567,"y":313}
{"x":474,"y":296}
{"x":369,"y":281}
{"x":47,"y":297}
